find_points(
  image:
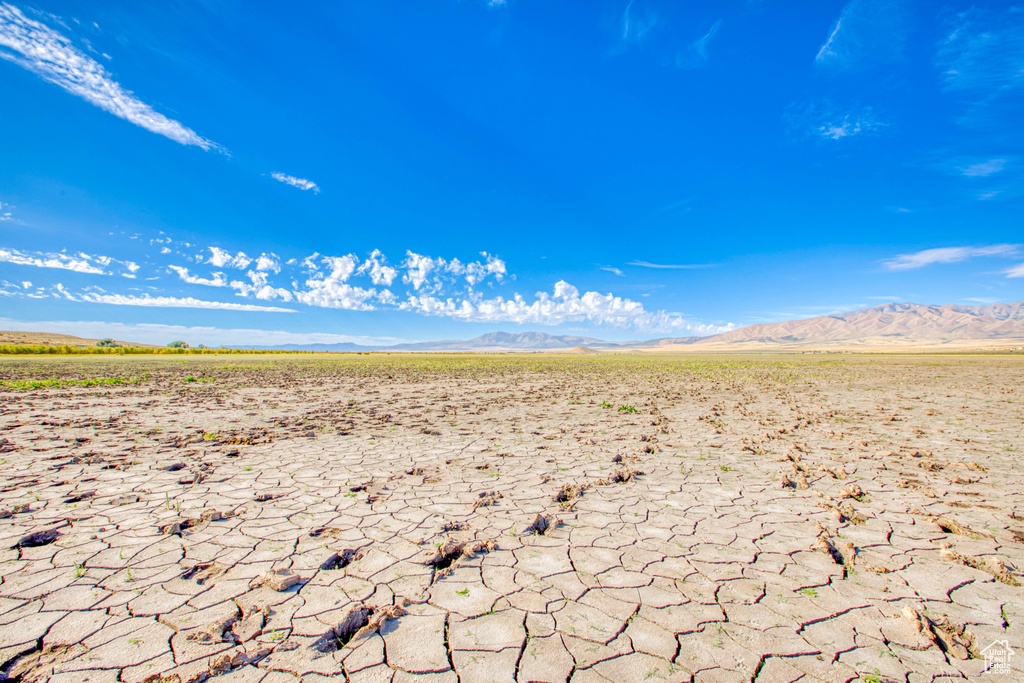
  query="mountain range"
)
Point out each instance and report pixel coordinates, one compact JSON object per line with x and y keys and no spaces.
{"x":902,"y":325}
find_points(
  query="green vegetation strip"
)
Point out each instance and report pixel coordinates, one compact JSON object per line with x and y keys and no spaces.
{"x":55,"y":383}
{"x":65,"y":350}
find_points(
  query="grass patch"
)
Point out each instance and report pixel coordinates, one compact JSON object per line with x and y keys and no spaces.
{"x":59,"y":383}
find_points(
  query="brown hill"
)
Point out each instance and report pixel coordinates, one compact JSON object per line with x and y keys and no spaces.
{"x":51,"y":339}
{"x":896,"y":325}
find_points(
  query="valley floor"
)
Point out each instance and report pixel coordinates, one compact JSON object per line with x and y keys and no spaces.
{"x":511,"y":518}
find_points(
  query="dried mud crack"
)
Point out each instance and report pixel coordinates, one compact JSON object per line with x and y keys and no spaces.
{"x":520,"y":519}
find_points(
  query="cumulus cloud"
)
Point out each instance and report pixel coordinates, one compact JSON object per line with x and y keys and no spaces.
{"x":81,"y":263}
{"x":433,"y":286}
{"x":475,"y":272}
{"x":269,"y":262}
{"x":380,"y":273}
{"x":928,"y":257}
{"x":564,"y":305}
{"x":51,"y":56}
{"x":300,"y":183}
{"x":219,"y":258}
{"x":331,"y":290}
{"x":418,"y":267}
{"x":328,"y":293}
{"x":258,"y":287}
{"x":423,"y":270}
{"x":218,"y":278}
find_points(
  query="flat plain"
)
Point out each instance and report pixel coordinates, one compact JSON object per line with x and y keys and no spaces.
{"x":511,"y":518}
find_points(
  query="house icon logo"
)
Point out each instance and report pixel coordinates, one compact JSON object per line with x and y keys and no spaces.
{"x":997,"y":657}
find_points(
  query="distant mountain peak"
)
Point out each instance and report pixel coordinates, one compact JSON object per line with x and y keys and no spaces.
{"x":905,"y":323}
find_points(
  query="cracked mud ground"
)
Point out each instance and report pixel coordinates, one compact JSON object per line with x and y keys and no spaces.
{"x":511,"y":519}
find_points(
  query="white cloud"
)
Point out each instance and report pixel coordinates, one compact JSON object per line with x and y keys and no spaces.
{"x":328,"y":293}
{"x":332,"y":290}
{"x":269,"y":262}
{"x":259,"y":288}
{"x":421,"y":270}
{"x":825,"y":120}
{"x":165,"y":250}
{"x":866,"y":32}
{"x":341,"y":267}
{"x":857,"y":123}
{"x":564,"y":305}
{"x":80,"y":263}
{"x":218,"y":278}
{"x":223,"y":259}
{"x":4,"y":215}
{"x":984,"y":168}
{"x":311,"y":263}
{"x":928,"y":257}
{"x":696,"y":54}
{"x":418,"y":268}
{"x":433,"y":286}
{"x":636,"y":25}
{"x":1016,"y":271}
{"x":171,"y":302}
{"x":614,"y":270}
{"x":670,"y":266}
{"x":380,"y":273}
{"x":300,"y":183}
{"x":50,"y":55}
{"x":476,"y":271}
{"x":828,"y":49}
{"x":983,"y":51}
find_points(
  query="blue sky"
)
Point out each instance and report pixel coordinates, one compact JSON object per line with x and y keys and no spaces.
{"x":230,"y":172}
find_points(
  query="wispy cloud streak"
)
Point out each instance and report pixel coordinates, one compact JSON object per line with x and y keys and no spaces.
{"x":300,"y":183}
{"x":867,"y":32}
{"x":696,"y":54}
{"x":929,"y":257}
{"x":81,"y":263}
{"x":172,"y":302}
{"x":984,"y":51}
{"x":635,"y":25}
{"x":50,"y":55}
{"x":984,"y":168}
{"x":670,"y":266}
